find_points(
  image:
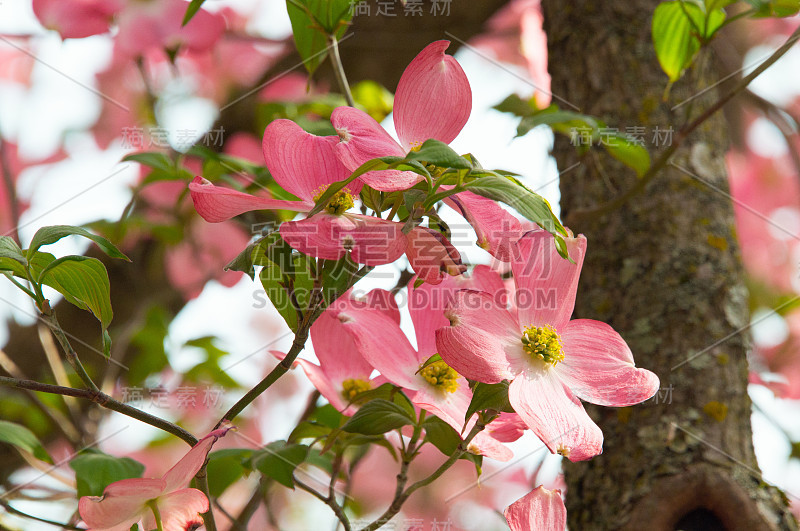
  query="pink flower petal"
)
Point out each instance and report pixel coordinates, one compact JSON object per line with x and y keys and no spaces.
{"x":369,"y":240}
{"x":482,"y":338}
{"x":383,"y":300}
{"x":490,"y":447}
{"x":361,"y":138}
{"x":338,"y":356}
{"x":179,"y":510}
{"x":301,"y":163}
{"x":322,"y":383}
{"x":122,"y":503}
{"x":508,"y":427}
{"x":553,"y":413}
{"x":546,"y":283}
{"x":382,"y":343}
{"x":433,"y":98}
{"x":497,"y":230}
{"x":216,"y":203}
{"x":539,"y":510}
{"x":184,"y":470}
{"x":432,"y":255}
{"x":390,"y":180}
{"x":598,"y":366}
{"x":450,"y":407}
{"x":427,"y":304}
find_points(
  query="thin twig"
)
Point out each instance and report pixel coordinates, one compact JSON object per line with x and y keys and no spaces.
{"x":12,"y":510}
{"x":337,"y":510}
{"x":338,"y":69}
{"x":105,"y":401}
{"x":605,"y":208}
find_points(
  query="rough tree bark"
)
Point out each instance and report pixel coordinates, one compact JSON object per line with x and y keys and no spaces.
{"x":664,"y":270}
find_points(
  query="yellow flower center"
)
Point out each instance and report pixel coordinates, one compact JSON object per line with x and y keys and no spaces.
{"x":441,"y":376}
{"x":341,"y":202}
{"x":352,"y":387}
{"x":543,"y":343}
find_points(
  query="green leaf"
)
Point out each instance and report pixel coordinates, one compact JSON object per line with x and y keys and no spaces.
{"x":515,"y":105}
{"x":442,"y":435}
{"x":152,"y":159}
{"x":629,"y":152}
{"x":511,"y":192}
{"x":84,"y":282}
{"x":439,"y":154}
{"x":564,"y":122}
{"x":23,"y":439}
{"x":312,"y":22}
{"x":94,"y":471}
{"x":48,"y":235}
{"x":226,"y":466}
{"x":209,"y":370}
{"x":378,"y":416}
{"x":336,"y":276}
{"x":10,"y":249}
{"x":675,"y":44}
{"x":489,"y":396}
{"x":194,"y":7}
{"x":775,"y":8}
{"x":279,"y":459}
{"x":272,"y":281}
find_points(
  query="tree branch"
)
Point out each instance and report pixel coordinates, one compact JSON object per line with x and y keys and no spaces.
{"x":105,"y":401}
{"x":579,"y":216}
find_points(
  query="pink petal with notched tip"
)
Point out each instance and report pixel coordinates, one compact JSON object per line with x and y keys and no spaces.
{"x":483,"y":339}
{"x":216,"y":204}
{"x":508,"y":427}
{"x":546,"y":283}
{"x":382,"y":343}
{"x":539,"y":510}
{"x":369,"y":240}
{"x":122,"y":504}
{"x":361,"y":138}
{"x":489,"y":447}
{"x":496,"y":229}
{"x":184,"y":470}
{"x":179,"y":510}
{"x":301,"y":163}
{"x":598,"y":366}
{"x":433,"y":98}
{"x":555,"y":415}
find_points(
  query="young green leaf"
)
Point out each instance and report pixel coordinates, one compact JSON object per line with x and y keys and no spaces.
{"x":23,"y":439}
{"x":673,"y":38}
{"x":439,"y":154}
{"x":84,"y":282}
{"x":191,"y":10}
{"x":312,"y":22}
{"x":631,"y":153}
{"x":48,"y":235}
{"x":279,"y":459}
{"x":378,"y":416}
{"x":94,"y":471}
{"x":226,"y":466}
{"x":489,"y":396}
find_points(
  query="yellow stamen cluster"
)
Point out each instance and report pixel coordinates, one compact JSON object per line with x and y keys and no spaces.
{"x":441,"y":376}
{"x":341,"y":202}
{"x":543,"y":343}
{"x":352,"y":387}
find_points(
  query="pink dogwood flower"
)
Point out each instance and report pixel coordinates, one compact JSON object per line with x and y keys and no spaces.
{"x":436,"y":387}
{"x":305,"y":165}
{"x":549,"y":359}
{"x":433,"y":100}
{"x":129,"y":501}
{"x":342,"y":372}
{"x":539,"y":510}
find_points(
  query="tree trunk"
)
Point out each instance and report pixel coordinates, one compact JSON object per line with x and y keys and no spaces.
{"x":664,"y":270}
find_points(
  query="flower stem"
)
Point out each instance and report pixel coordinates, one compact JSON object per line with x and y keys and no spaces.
{"x":338,"y":69}
{"x":157,"y":514}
